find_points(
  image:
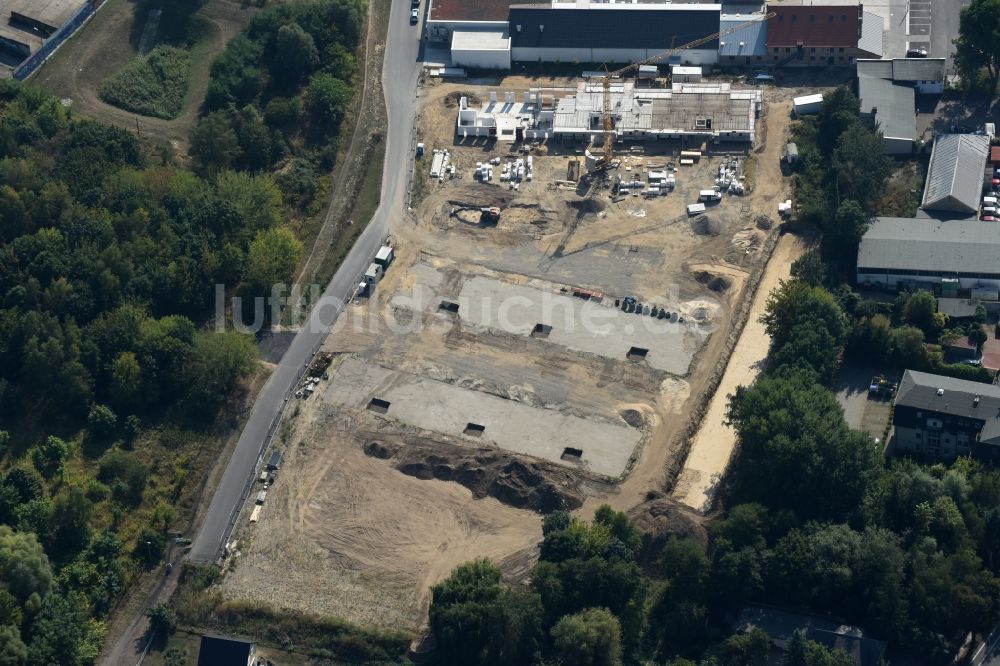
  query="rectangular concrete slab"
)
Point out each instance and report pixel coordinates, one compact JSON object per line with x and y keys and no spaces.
{"x":578,"y":324}
{"x":511,"y":425}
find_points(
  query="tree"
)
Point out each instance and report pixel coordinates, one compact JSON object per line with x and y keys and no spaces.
{"x":477,"y":620}
{"x":591,"y":637}
{"x":844,"y":233}
{"x":214,"y":145}
{"x":274,"y":255}
{"x":803,"y":652}
{"x":294,"y":53}
{"x":861,"y":166}
{"x":978,"y":337}
{"x":49,"y":456}
{"x":26,"y":482}
{"x":24,"y":568}
{"x":4,"y":441}
{"x":126,"y":475}
{"x":70,"y":516}
{"x":796,"y":452}
{"x":61,"y":631}
{"x":162,"y":618}
{"x":795,"y":302}
{"x":839,"y":113}
{"x":907,"y":348}
{"x":13,"y":652}
{"x":218,"y":362}
{"x":920,"y":310}
{"x":978,"y":43}
{"x":257,"y":199}
{"x":809,"y":268}
{"x":327,"y":98}
{"x":126,"y":379}
{"x":102,"y":421}
{"x":749,"y":649}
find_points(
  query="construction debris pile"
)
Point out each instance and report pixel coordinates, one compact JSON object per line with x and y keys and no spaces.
{"x":511,"y":171}
{"x":730,"y":177}
{"x":441,"y":164}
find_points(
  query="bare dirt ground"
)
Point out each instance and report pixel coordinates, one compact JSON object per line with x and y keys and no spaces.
{"x":104,"y":46}
{"x":714,"y":442}
{"x":372,"y":506}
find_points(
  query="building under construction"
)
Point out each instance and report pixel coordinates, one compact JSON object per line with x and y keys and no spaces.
{"x":713,"y":111}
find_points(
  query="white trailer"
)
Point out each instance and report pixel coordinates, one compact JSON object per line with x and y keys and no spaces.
{"x":807,"y":104}
{"x":696,"y":209}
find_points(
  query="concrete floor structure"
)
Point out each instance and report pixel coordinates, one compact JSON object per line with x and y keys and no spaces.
{"x":26,"y":24}
{"x":708,"y":110}
{"x":459,"y":413}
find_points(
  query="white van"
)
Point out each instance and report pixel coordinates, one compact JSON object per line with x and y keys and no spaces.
{"x":989,"y":201}
{"x":709,"y":195}
{"x":696,"y":209}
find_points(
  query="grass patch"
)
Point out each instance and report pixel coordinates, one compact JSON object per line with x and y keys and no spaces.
{"x":366,"y":201}
{"x":154,"y":85}
{"x":200,"y":607}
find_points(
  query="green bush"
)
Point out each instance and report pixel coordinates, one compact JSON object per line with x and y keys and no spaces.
{"x":154,"y":85}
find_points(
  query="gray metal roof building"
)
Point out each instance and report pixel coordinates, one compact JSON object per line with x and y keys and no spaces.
{"x":872,"y":30}
{"x":750,"y":40}
{"x":955,"y":174}
{"x":903,"y":69}
{"x":892,"y":105}
{"x":947,"y":395}
{"x":907,"y":246}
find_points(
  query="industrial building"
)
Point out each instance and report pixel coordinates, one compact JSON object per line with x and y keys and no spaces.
{"x":709,"y":110}
{"x":941,"y":418}
{"x":818,"y":35}
{"x":747,"y":44}
{"x":492,"y":34}
{"x":888,"y":89}
{"x":914,"y":253}
{"x":26,"y":24}
{"x":955,"y":174}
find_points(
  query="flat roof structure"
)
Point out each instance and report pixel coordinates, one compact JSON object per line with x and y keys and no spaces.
{"x":612,"y":26}
{"x":749,"y":40}
{"x":903,"y":69}
{"x":891,"y":104}
{"x":487,"y":40}
{"x":26,"y":24}
{"x":472,"y":10}
{"x":955,"y":173}
{"x":714,"y":109}
{"x":919,"y":246}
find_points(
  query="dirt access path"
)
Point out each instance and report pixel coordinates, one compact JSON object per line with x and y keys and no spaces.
{"x":714,"y":442}
{"x":666,"y":443}
{"x":104,"y":46}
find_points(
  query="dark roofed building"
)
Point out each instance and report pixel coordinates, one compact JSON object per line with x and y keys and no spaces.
{"x":445,"y":17}
{"x":605,"y":33}
{"x":822,"y":34}
{"x":941,"y":418}
{"x":781,"y":624}
{"x":225,"y":651}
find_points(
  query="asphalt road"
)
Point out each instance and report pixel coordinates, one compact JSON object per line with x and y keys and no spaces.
{"x":399,"y":81}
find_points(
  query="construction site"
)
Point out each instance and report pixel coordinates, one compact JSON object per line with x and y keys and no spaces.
{"x":553,"y":326}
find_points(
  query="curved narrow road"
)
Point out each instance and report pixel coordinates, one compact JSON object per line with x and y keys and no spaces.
{"x":399,"y":81}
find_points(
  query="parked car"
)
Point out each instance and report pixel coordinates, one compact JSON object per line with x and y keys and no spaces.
{"x":414,"y":16}
{"x":916,"y":53}
{"x":988,"y":218}
{"x":973,"y":361}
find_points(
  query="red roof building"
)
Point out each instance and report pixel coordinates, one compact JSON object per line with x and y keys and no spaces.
{"x":819,"y":35}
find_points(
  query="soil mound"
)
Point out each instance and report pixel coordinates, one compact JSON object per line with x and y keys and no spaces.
{"x":660,"y":518}
{"x":524,"y":485}
{"x":633,"y":418}
{"x":703,"y":225}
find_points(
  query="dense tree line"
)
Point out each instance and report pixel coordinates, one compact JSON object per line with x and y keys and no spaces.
{"x":279,"y":92}
{"x":108,"y":267}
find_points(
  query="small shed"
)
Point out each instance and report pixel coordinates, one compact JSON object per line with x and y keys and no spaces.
{"x":807,"y":104}
{"x":685,"y":74}
{"x":791,"y":153}
{"x":384,"y":256}
{"x":373,"y":274}
{"x":261,"y":497}
{"x":274,"y":462}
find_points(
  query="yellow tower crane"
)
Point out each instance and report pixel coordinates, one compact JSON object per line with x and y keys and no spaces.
{"x":608,"y":116}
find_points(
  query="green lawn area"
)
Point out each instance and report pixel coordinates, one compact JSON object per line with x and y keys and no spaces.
{"x":152,"y":85}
